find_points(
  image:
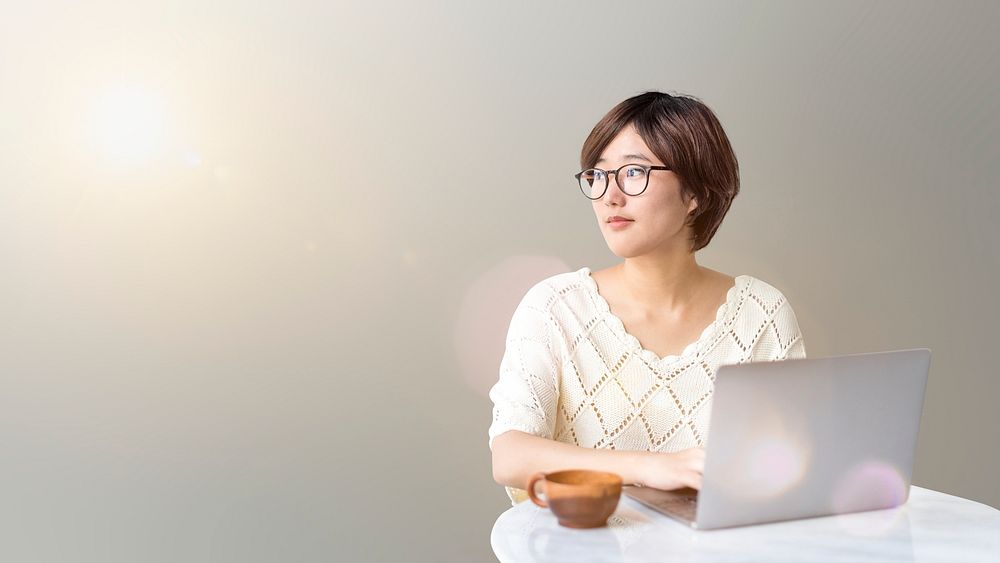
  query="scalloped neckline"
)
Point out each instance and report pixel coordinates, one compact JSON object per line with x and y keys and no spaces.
{"x":650,"y":356}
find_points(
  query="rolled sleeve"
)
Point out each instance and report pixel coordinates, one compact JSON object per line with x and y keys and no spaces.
{"x":526,"y":394}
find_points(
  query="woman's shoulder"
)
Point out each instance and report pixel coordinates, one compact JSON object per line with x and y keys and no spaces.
{"x":564,"y":297}
{"x":767,"y":296}
{"x":551,"y":288}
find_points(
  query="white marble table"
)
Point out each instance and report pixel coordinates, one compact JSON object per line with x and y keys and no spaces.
{"x":931,"y":526}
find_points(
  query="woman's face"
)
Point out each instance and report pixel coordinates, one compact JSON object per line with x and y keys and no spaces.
{"x":653,"y":221}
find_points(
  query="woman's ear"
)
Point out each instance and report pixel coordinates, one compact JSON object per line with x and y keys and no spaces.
{"x":692,"y":206}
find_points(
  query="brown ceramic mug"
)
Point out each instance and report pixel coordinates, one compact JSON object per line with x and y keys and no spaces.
{"x":580,"y":498}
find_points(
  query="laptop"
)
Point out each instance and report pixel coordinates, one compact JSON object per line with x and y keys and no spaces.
{"x":804,"y":438}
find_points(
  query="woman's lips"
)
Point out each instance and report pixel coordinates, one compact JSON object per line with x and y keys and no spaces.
{"x":618,"y":223}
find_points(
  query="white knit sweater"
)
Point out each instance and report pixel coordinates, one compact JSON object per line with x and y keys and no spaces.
{"x":572,"y":373}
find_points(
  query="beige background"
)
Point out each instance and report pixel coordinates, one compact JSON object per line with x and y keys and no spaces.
{"x":271,"y":341}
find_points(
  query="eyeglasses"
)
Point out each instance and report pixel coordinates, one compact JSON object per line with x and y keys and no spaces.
{"x":632,"y":179}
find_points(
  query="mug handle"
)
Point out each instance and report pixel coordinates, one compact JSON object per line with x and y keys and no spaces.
{"x":531,"y":489}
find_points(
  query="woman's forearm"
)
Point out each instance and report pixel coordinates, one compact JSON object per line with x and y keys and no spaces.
{"x":517,"y":456}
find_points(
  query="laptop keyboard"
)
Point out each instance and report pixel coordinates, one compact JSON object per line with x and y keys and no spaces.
{"x":682,"y":506}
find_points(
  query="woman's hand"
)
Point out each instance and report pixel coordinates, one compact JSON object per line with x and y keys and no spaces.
{"x":673,"y":470}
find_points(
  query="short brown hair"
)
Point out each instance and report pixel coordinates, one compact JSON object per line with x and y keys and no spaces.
{"x":687,"y":137}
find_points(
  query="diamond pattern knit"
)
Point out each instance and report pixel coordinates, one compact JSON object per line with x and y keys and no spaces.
{"x":572,"y":373}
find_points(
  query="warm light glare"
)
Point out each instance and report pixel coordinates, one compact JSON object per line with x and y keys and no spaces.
{"x":486,"y":310}
{"x":775,"y":466}
{"x":868,"y":485}
{"x":128,"y":124}
{"x":773,"y":459}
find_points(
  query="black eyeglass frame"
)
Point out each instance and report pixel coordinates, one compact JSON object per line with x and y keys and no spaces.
{"x":608,"y":173}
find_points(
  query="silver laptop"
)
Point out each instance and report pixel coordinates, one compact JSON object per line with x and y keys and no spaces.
{"x":804,"y":438}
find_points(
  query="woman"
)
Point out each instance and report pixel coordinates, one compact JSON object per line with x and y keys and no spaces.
{"x":614,"y":369}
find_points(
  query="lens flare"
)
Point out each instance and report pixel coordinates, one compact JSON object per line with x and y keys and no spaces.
{"x":870,"y":485}
{"x":775,"y":466}
{"x":771,"y":460}
{"x":129,"y":124}
{"x":484,"y":316}
{"x":191,"y":158}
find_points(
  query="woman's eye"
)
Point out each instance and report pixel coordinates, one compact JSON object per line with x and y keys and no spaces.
{"x":634,"y":172}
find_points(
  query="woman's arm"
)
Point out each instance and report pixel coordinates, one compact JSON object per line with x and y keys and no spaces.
{"x":518,"y":455}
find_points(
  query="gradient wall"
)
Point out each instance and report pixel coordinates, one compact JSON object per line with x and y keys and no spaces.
{"x":258,"y":259}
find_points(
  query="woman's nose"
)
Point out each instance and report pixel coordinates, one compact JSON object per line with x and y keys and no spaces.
{"x":614,"y":194}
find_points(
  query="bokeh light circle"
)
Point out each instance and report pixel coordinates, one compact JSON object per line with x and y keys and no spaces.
{"x":485,"y":313}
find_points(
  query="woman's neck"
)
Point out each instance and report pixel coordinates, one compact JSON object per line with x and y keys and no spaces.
{"x":656,"y":282}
